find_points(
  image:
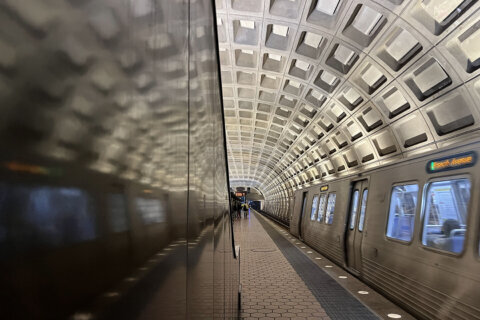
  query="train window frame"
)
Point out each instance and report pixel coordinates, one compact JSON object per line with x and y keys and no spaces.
{"x":353,"y":208}
{"x":425,"y":189}
{"x":162,"y":202}
{"x":417,"y":209}
{"x":317,"y":197}
{"x":111,"y":227}
{"x":93,"y":207}
{"x":360,"y":220}
{"x":326,"y":208}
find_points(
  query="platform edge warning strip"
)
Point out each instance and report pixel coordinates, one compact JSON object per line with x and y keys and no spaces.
{"x":337,"y":302}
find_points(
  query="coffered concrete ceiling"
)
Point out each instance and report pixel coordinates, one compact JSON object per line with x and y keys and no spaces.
{"x":317,"y":89}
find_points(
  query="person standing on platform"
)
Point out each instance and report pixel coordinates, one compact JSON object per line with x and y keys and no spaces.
{"x":245,"y":210}
{"x":239,"y":208}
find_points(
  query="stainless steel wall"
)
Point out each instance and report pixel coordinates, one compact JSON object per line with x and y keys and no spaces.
{"x":114,"y":187}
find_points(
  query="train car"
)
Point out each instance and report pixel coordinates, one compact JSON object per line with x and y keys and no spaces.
{"x":409,"y":229}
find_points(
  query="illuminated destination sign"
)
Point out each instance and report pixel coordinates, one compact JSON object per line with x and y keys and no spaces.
{"x":324,"y":188}
{"x":458,"y":161}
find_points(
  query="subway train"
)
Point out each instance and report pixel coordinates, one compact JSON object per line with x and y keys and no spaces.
{"x":409,"y":229}
{"x":114,"y":190}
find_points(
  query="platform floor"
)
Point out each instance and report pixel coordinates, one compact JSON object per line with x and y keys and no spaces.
{"x":271,"y":288}
{"x":282,"y":278}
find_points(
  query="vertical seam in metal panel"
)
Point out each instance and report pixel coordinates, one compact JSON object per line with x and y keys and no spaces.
{"x":188,"y":158}
{"x":215,"y":34}
{"x":220,"y":90}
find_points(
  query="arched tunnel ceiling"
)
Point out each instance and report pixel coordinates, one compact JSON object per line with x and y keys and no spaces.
{"x":317,"y":89}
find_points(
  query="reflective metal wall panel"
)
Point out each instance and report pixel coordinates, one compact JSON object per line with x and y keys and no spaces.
{"x":114,"y":188}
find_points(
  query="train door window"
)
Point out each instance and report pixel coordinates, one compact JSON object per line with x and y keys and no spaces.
{"x":321,"y":207}
{"x":313,"y":214}
{"x":304,"y":204}
{"x":363,"y":208}
{"x":330,"y":208}
{"x":353,"y":209}
{"x":445,"y":216}
{"x":401,"y":216}
{"x":117,"y":212}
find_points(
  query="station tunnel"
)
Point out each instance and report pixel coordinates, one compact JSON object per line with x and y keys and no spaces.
{"x":239,"y":159}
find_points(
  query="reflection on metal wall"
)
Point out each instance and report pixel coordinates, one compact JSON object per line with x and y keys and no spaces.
{"x":113,"y":190}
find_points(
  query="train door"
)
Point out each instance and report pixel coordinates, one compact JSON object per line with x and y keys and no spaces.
{"x":356,"y":219}
{"x":302,"y":214}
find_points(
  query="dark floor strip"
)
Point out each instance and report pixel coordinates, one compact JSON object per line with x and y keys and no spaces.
{"x":335,"y":300}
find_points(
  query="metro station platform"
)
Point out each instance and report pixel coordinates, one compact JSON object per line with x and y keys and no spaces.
{"x":282,"y":278}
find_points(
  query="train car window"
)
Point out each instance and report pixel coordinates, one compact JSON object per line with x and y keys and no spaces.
{"x":445,"y":217}
{"x":313,"y":215}
{"x":151,"y":210}
{"x":117,"y":206}
{"x":353,"y":209}
{"x":321,"y":207}
{"x":363,"y":208}
{"x":330,"y":208}
{"x":44,"y":216}
{"x":401,"y":216}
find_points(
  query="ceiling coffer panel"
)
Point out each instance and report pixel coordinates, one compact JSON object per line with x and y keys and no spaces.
{"x":317,"y":89}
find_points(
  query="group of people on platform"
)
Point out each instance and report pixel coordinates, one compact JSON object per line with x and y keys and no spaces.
{"x":237,"y":209}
